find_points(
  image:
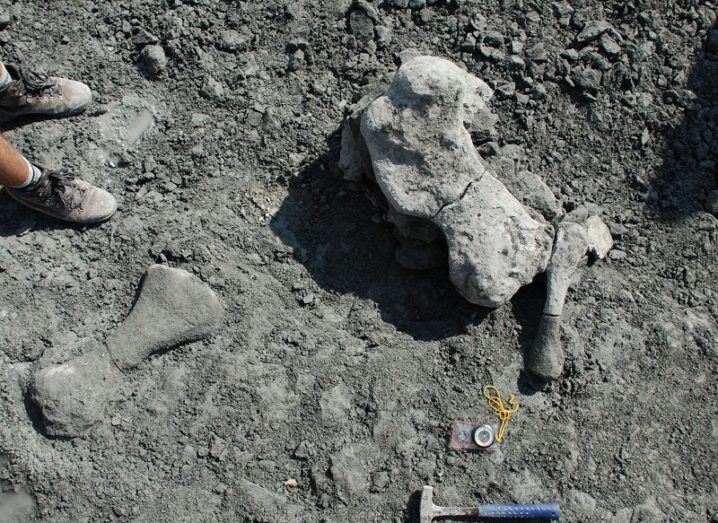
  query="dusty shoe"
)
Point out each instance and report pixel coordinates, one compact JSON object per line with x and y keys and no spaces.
{"x":66,"y":197}
{"x":35,"y":94}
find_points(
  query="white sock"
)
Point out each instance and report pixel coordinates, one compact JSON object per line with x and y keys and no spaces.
{"x":5,"y":77}
{"x":34,"y":175}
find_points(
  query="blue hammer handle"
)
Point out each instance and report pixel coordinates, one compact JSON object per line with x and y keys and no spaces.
{"x":550,"y":511}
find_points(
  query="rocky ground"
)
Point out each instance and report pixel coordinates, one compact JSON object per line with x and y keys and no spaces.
{"x":328,"y":392}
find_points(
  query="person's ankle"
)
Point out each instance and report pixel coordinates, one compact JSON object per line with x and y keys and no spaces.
{"x":5,"y":77}
{"x":34,"y":176}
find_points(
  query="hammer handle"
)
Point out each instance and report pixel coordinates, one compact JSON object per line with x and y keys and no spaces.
{"x":550,"y":511}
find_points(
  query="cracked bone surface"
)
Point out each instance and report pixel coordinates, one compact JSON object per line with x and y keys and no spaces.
{"x":426,"y":165}
{"x":173,"y":307}
{"x":546,"y":358}
{"x":415,"y":142}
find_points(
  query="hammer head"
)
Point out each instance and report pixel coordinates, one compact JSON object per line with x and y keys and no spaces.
{"x":426,"y":507}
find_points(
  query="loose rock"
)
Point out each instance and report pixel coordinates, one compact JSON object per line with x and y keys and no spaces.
{"x":233,"y":41}
{"x":154,"y":59}
{"x":592,"y":31}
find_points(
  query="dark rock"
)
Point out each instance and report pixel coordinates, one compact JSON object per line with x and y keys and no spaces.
{"x":712,"y":40}
{"x":587,"y":78}
{"x":592,"y":31}
{"x":712,"y":202}
{"x":154,"y":59}
{"x":609,"y":45}
{"x":537,"y":53}
{"x":212,"y":89}
{"x":361,"y":27}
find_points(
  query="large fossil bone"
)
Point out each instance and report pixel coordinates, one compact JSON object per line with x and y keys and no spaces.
{"x":173,"y":308}
{"x":417,"y":140}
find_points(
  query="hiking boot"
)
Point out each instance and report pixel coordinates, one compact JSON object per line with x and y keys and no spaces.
{"x":64,"y":196}
{"x":34,"y":94}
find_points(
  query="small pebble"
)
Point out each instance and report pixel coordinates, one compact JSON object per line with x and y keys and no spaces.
{"x":212,"y":89}
{"x":154,"y":59}
{"x":592,"y":30}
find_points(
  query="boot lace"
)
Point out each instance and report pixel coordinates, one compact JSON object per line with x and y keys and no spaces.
{"x":30,"y":83}
{"x":59,"y":191}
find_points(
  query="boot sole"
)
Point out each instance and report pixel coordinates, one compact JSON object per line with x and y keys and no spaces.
{"x":9,"y":116}
{"x":43,"y":210}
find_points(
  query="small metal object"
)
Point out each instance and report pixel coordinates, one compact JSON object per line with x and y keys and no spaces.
{"x":473,"y":436}
{"x":484,"y":436}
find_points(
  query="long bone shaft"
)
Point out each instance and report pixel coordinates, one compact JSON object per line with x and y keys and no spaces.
{"x":546,"y":357}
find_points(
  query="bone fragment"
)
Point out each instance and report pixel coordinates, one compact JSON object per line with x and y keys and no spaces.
{"x":495,"y":247}
{"x":173,"y":308}
{"x":546,"y":357}
{"x":72,"y":396}
{"x":422,"y":155}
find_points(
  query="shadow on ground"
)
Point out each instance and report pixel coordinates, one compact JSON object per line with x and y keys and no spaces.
{"x":336,"y":234}
{"x":690,"y":159}
{"x":330,"y":227}
{"x":17,"y":220}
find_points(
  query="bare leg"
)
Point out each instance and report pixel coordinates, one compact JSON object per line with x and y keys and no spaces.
{"x":14,"y":168}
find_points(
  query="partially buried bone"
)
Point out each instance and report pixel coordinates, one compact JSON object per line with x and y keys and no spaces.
{"x":173,"y":308}
{"x":574,"y":240}
{"x":546,"y":357}
{"x":415,"y":142}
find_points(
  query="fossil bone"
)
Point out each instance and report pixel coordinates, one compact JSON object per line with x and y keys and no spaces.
{"x":173,"y":308}
{"x":415,"y":142}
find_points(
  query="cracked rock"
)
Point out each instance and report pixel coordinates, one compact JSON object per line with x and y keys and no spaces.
{"x":427,"y":167}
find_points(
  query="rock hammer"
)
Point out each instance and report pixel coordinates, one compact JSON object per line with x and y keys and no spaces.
{"x":429,"y":512}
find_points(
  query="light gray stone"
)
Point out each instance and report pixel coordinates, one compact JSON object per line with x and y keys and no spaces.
{"x":422,"y":155}
{"x":493,"y":254}
{"x":233,"y":41}
{"x":351,"y":472}
{"x":598,"y":236}
{"x":533,"y":192}
{"x":72,"y":396}
{"x":174,"y":307}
